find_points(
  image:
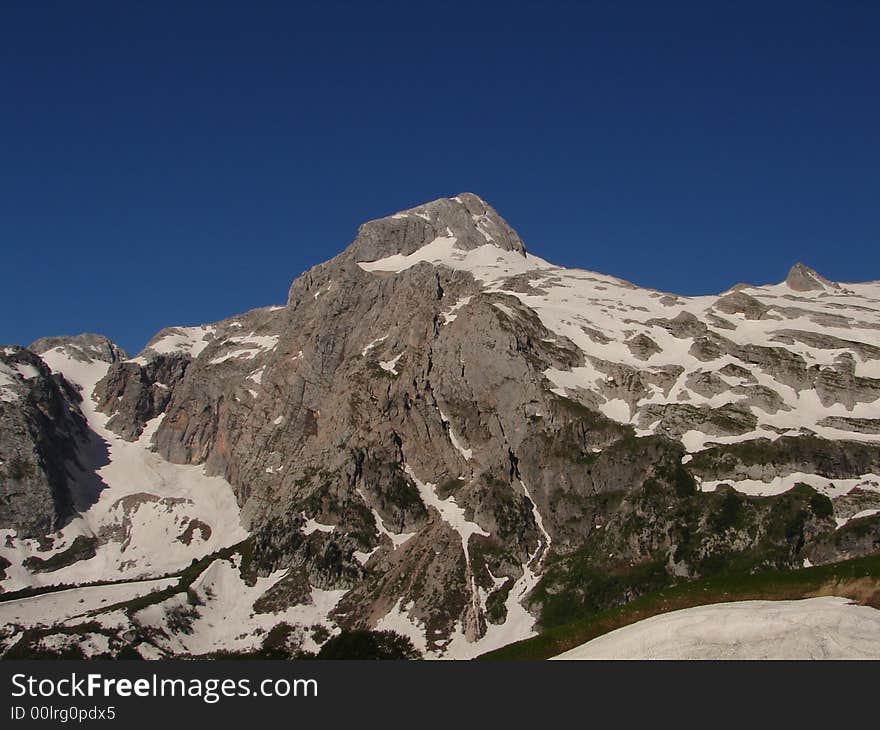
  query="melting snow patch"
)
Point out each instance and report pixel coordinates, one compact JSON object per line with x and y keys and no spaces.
{"x":451,"y":513}
{"x":841,"y":521}
{"x":585,"y":377}
{"x":488,"y":263}
{"x":693,"y":441}
{"x":450,"y":314}
{"x":397,"y":539}
{"x":363,"y":557}
{"x":616,"y":409}
{"x":253,"y":345}
{"x":313,"y":525}
{"x":324,"y":291}
{"x":479,"y":222}
{"x":372,"y":345}
{"x":391,"y":365}
{"x":397,"y":619}
{"x":226,"y":619}
{"x":520,"y":624}
{"x":778,"y":485}
{"x":184,"y":339}
{"x":466,"y":453}
{"x":537,"y":515}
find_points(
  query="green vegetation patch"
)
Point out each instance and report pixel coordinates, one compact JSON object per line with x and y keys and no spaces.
{"x":369,"y":645}
{"x":18,"y":469}
{"x":82,"y":548}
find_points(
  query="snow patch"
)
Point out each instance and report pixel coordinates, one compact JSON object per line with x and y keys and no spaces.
{"x":313,"y":525}
{"x":252,"y":346}
{"x":778,"y":485}
{"x":184,"y":339}
{"x":397,"y":539}
{"x":841,"y":521}
{"x":815,"y":628}
{"x":372,"y":345}
{"x":467,"y":454}
{"x":449,"y":510}
{"x":390,"y":366}
{"x":451,"y":314}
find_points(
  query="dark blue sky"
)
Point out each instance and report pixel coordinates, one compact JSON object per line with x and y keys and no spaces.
{"x":175,"y":163}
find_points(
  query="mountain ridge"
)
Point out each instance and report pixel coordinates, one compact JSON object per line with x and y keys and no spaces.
{"x":459,"y":441}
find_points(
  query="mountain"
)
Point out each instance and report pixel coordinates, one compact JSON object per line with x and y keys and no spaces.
{"x":439,"y":434}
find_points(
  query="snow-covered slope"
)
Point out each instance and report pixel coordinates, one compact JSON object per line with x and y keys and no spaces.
{"x":616,"y":323}
{"x":756,"y":362}
{"x":148,"y":517}
{"x":815,"y":628}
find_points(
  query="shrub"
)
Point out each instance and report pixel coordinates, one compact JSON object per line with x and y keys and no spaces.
{"x":369,"y":645}
{"x":821,"y":505}
{"x":18,"y":469}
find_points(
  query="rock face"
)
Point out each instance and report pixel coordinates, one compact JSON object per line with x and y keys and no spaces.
{"x":137,"y":393}
{"x":40,"y":425}
{"x":453,"y":438}
{"x":803,"y":278}
{"x":466,"y":217}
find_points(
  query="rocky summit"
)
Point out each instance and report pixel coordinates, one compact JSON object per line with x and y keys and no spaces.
{"x":438,"y":434}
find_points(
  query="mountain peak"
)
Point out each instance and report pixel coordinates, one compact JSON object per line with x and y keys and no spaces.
{"x":86,"y":347}
{"x":803,"y":278}
{"x":466,"y":217}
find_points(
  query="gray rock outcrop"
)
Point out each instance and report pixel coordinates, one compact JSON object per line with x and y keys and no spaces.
{"x":40,"y":426}
{"x":803,"y":278}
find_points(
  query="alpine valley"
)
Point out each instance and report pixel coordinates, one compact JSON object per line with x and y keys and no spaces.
{"x":444,"y":436}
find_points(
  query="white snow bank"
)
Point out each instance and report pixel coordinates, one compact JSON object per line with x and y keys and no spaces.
{"x":487,"y":263}
{"x":816,"y":628}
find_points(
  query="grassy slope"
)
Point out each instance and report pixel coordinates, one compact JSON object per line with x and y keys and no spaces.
{"x":858,"y":579}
